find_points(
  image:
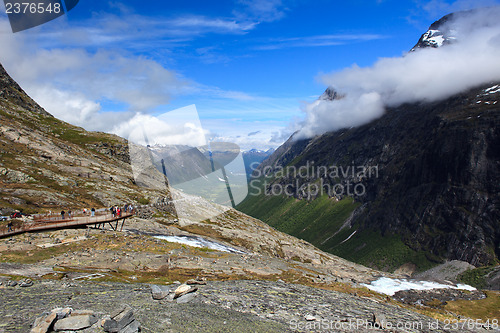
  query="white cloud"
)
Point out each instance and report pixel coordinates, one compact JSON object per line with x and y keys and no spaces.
{"x":142,"y":32}
{"x":115,"y":75}
{"x":261,"y":10}
{"x":425,"y":75}
{"x":177,"y":127}
{"x":318,"y":41}
{"x":347,"y":112}
{"x":201,"y":24}
{"x":442,"y":7}
{"x":70,"y":107}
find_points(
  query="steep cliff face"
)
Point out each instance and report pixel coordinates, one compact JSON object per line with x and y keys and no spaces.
{"x":11,"y":92}
{"x":434,"y":192}
{"x":437,"y":184}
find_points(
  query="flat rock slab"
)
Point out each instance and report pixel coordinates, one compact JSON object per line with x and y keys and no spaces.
{"x":133,"y":327}
{"x":186,"y":298}
{"x":74,"y":323}
{"x":42,"y":325}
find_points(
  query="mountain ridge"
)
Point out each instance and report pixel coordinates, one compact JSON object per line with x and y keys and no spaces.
{"x":437,"y":192}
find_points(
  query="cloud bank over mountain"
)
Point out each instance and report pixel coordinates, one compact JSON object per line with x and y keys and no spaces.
{"x":429,"y":74}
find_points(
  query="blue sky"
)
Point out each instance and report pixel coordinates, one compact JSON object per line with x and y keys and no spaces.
{"x":248,"y":66}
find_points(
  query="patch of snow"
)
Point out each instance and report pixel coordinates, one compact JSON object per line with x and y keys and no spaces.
{"x":222,"y":180}
{"x":389,"y":286}
{"x":433,"y":37}
{"x":438,"y":40}
{"x":491,"y":88}
{"x":196,"y":241}
{"x":478,"y":102}
{"x":345,"y":240}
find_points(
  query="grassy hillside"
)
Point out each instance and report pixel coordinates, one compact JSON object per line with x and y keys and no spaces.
{"x":321,"y":222}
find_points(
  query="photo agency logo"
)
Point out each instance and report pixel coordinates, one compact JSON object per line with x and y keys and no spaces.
{"x":170,"y":153}
{"x":24,"y":14}
{"x":310,"y":181}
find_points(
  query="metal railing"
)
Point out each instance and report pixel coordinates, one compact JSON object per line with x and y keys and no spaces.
{"x":45,"y":222}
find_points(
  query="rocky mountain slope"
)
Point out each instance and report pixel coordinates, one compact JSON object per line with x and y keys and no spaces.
{"x":49,"y":164}
{"x":268,"y":282}
{"x":46,"y":163}
{"x":430,"y":190}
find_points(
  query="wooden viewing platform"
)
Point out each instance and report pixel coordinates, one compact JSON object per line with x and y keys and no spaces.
{"x":52,"y":222}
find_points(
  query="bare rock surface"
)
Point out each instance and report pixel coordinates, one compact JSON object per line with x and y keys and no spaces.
{"x":229,"y":306}
{"x":436,"y":297}
{"x":447,"y":271}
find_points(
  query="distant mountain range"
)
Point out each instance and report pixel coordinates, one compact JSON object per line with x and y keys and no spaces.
{"x":254,"y":157}
{"x":433,"y":193}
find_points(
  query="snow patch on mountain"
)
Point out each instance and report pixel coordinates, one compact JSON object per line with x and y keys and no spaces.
{"x":492,"y":90}
{"x":389,"y":286}
{"x":433,"y":38}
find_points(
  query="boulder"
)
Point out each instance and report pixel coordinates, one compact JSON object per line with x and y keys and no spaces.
{"x":121,"y":321}
{"x":184,"y":289}
{"x":26,"y":283}
{"x":186,"y":298}
{"x":11,"y":283}
{"x":62,"y":313}
{"x":123,"y":317}
{"x":379,"y":320}
{"x":74,"y":323}
{"x":133,"y":327}
{"x":42,"y":325}
{"x":159,"y":292}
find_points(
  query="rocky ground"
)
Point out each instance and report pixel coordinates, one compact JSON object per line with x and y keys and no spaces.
{"x":229,"y":306}
{"x":278,"y":284}
{"x":135,"y":250}
{"x":448,"y":271}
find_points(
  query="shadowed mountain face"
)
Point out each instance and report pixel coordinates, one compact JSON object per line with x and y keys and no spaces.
{"x":435,"y":195}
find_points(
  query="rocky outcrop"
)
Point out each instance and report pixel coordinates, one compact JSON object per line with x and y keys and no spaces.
{"x":436,"y":297}
{"x":122,"y":320}
{"x":11,"y":91}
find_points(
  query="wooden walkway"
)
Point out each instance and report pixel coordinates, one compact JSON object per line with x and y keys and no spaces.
{"x":53,"y":222}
